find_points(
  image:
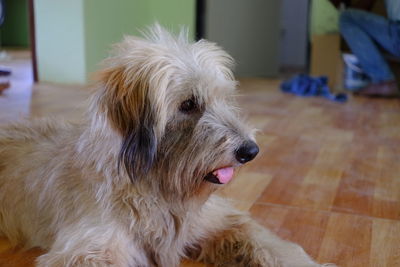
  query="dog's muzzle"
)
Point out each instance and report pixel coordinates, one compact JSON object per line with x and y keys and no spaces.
{"x":246,"y":152}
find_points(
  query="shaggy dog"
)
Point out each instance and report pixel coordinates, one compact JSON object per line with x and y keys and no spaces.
{"x":133,"y":184}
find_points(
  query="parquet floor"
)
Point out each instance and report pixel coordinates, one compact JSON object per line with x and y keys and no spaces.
{"x":327,"y":177}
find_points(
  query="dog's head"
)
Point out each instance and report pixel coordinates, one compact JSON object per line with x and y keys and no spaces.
{"x":172,"y":103}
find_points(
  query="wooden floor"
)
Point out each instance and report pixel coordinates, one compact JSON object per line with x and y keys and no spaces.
{"x":327,"y":177}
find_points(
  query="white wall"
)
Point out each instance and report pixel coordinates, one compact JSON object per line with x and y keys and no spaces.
{"x":294,"y":17}
{"x":249,"y":30}
{"x":60,"y":41}
{"x":73,"y":36}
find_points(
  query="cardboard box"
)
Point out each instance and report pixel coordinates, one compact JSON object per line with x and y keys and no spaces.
{"x":326,"y":58}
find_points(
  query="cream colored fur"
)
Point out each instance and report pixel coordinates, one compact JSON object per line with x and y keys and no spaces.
{"x":126,"y":186}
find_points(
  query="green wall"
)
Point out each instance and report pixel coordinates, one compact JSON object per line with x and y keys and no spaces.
{"x":107,"y":22}
{"x":90,"y":27}
{"x":174,"y":13}
{"x":324,"y":17}
{"x":15,"y":29}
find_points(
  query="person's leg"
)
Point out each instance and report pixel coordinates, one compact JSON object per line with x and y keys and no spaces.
{"x":363,"y":31}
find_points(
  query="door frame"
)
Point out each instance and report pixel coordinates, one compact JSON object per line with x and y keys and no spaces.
{"x":32,"y":38}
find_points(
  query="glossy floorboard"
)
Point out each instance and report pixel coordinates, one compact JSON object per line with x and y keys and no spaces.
{"x":327,"y":177}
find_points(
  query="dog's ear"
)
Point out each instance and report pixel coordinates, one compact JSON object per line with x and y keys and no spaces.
{"x":132,"y":110}
{"x":132,"y":95}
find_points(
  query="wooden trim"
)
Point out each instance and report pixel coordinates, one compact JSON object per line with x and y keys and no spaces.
{"x":200,"y":19}
{"x":32,"y":37}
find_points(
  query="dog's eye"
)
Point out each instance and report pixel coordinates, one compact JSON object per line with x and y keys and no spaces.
{"x":188,"y":106}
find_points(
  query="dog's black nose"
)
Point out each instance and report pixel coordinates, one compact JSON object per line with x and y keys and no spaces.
{"x":247,"y":152}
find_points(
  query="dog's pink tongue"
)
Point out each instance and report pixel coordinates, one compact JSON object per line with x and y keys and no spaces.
{"x":224,"y":175}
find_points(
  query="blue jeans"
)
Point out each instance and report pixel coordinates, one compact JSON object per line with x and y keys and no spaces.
{"x":365,"y":32}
